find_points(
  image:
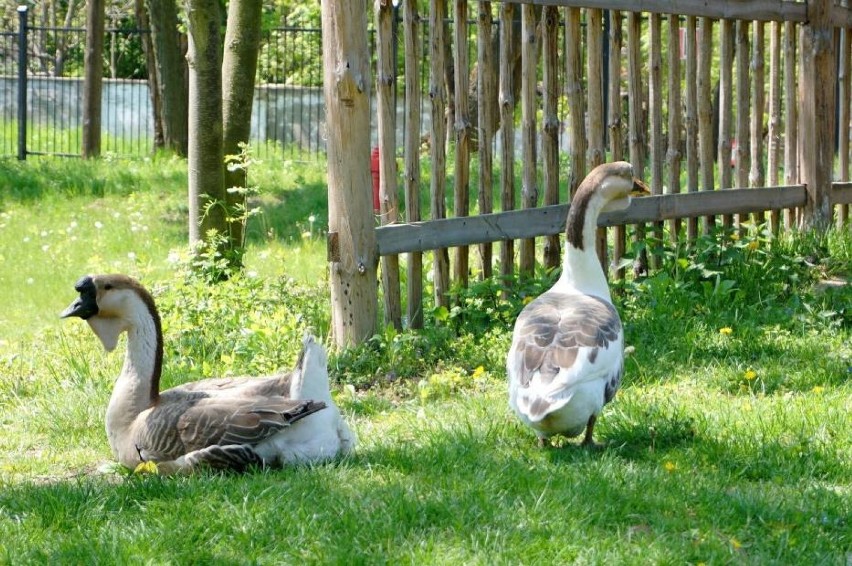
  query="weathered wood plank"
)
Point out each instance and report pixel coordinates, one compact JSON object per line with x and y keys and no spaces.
{"x":791,"y":120}
{"x":817,"y":106}
{"x":616,"y":124}
{"x":705,"y":113}
{"x":411,"y":32}
{"x":692,"y":160}
{"x":438,"y":140}
{"x":544,"y":221}
{"x":529,"y":185}
{"x":845,"y":99}
{"x":757,"y":173}
{"x":550,"y":126}
{"x":595,"y":99}
{"x":461,"y":176}
{"x":774,"y":136}
{"x":352,"y":244}
{"x":655,"y":103}
{"x":386,"y":110}
{"x":507,"y":134}
{"x":635,"y":117}
{"x":764,"y":10}
{"x":486,"y":102}
{"x":743,"y":153}
{"x":675,"y":121}
{"x":726,"y":103}
{"x":576,"y":98}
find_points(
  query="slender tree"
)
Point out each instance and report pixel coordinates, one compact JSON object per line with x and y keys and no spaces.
{"x":239,"y":66}
{"x":93,"y":79}
{"x":170,"y":72}
{"x":206,"y":173}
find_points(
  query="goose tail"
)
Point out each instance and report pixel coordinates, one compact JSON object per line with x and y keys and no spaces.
{"x":310,"y":377}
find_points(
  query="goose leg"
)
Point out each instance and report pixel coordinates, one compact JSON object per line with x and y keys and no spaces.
{"x":235,"y":457}
{"x":588,"y":439}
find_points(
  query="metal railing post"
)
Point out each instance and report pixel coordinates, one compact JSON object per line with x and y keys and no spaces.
{"x":22,"y":83}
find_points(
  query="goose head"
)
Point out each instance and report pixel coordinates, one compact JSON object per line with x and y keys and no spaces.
{"x":607,"y":188}
{"x":111,"y":304}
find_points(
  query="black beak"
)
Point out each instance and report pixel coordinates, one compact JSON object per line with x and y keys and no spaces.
{"x":86,"y":305}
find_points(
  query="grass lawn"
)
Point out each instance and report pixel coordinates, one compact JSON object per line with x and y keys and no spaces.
{"x":730,"y":441}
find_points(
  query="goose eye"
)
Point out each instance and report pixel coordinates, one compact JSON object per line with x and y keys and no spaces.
{"x":108,"y":286}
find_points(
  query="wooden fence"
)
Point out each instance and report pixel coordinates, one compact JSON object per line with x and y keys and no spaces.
{"x":724,"y":95}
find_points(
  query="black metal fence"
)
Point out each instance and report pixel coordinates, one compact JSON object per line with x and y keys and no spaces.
{"x":41,"y":93}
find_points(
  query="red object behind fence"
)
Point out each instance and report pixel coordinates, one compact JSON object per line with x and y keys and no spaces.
{"x":374,"y":169}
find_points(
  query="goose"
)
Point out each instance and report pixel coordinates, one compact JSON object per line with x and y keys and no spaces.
{"x":567,"y":354}
{"x":221,"y":423}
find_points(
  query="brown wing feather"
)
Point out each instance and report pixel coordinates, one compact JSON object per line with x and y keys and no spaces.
{"x":551,"y":330}
{"x":198,"y":421}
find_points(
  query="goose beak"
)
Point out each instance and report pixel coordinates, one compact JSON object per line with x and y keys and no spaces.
{"x":83,"y":307}
{"x":640,"y":189}
{"x":86,"y":305}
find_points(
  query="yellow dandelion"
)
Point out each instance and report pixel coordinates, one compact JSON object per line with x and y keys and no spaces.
{"x":736,"y":544}
{"x":669,"y":466}
{"x":528,"y":300}
{"x":725,"y":331}
{"x":818,"y":389}
{"x":750,"y":374}
{"x":753,"y":245}
{"x":478,"y":371}
{"x":149,"y":467}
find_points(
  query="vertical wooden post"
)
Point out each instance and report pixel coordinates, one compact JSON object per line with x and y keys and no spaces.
{"x":655,"y":107}
{"x":411,"y":27}
{"x":595,"y":100}
{"x":691,"y":119}
{"x":705,"y":114}
{"x":615,"y":124}
{"x":576,"y":98}
{"x":437,"y":149}
{"x":507,"y":134}
{"x":845,"y":96}
{"x":819,"y":80}
{"x":486,"y":96}
{"x":461,"y":178}
{"x":386,"y":115}
{"x":743,"y":92}
{"x":352,"y":239}
{"x":635,"y":119}
{"x":673,"y":154}
{"x":791,"y":118}
{"x":757,"y":173}
{"x":529,"y":188}
{"x":726,"y":102}
{"x":550,"y":126}
{"x":773,"y":158}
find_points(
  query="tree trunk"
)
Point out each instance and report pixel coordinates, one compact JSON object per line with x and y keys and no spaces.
{"x":142,"y":22}
{"x":206,"y":179}
{"x":352,"y":238}
{"x":93,"y":80}
{"x":171,"y":72}
{"x":242,"y":42}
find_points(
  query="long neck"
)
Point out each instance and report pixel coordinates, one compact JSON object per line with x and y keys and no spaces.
{"x":137,"y":387}
{"x":581,"y":268}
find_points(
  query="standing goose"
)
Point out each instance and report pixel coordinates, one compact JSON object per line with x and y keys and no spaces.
{"x":567,"y":353}
{"x":228,"y":423}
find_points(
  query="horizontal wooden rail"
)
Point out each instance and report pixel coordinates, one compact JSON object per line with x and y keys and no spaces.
{"x":762,"y":10}
{"x":549,"y":220}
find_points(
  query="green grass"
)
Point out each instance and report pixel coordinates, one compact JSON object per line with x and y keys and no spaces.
{"x":729,"y":442}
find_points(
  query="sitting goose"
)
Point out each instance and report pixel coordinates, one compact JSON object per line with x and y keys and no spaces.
{"x":567,"y":352}
{"x":228,"y":423}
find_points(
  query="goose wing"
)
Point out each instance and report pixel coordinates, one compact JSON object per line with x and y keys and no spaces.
{"x":180,"y":424}
{"x":562,"y":339}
